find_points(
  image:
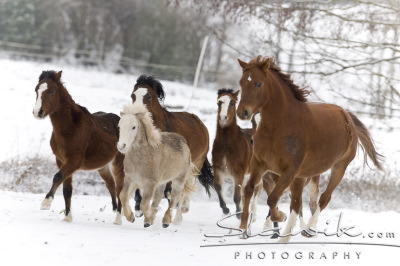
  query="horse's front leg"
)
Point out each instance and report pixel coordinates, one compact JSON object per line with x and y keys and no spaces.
{"x":65,"y":171}
{"x":145,"y":204}
{"x":257,"y":169}
{"x":296,"y":190}
{"x":67,"y":192}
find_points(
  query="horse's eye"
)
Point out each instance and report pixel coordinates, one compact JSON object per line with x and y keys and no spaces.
{"x":219,"y":103}
{"x":232,"y":104}
{"x":134,"y":128}
{"x":149,"y":97}
{"x":52,"y":91}
{"x":259,"y":84}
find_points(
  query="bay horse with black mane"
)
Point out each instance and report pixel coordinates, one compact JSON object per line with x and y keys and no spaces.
{"x":80,"y":140}
{"x":295,"y":140}
{"x":148,"y":92}
{"x":232,"y":151}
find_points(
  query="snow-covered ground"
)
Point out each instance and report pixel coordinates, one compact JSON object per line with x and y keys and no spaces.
{"x":28,"y":235}
{"x":35,"y":237}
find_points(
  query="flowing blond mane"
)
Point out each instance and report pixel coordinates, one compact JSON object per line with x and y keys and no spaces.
{"x":153,"y":134}
{"x":268,"y":63}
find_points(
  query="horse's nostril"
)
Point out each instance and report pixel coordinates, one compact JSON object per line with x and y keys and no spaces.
{"x":40,"y":112}
{"x":246,"y":113}
{"x":226,"y":117}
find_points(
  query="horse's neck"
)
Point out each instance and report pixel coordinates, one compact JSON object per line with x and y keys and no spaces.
{"x":141,"y":142}
{"x":161,"y":118}
{"x":281,"y":102}
{"x":64,"y":118}
{"x":228,"y":132}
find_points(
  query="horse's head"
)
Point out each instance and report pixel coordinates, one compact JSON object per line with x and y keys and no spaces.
{"x":146,"y":92}
{"x":226,"y":106}
{"x":47,"y":94}
{"x":254,"y":86}
{"x":128,"y":130}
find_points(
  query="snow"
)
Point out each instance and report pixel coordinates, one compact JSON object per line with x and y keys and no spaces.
{"x":30,"y":235}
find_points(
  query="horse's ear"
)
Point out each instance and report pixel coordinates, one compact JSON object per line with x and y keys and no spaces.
{"x":121,"y":113}
{"x":265,"y":65}
{"x":235,"y":94}
{"x":58,"y":75}
{"x":242,"y":64}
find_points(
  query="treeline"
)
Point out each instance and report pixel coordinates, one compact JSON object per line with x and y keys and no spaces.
{"x":149,"y":34}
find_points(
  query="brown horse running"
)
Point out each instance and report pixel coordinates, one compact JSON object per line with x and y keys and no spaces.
{"x":148,"y":92}
{"x":232,"y":151}
{"x":295,"y":139}
{"x":80,"y":140}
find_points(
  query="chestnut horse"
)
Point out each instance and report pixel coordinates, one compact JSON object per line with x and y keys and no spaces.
{"x":232,"y":150}
{"x":80,"y":140}
{"x":148,"y":92}
{"x":295,"y":139}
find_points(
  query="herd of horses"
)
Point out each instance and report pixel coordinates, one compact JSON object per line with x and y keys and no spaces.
{"x":149,"y":152}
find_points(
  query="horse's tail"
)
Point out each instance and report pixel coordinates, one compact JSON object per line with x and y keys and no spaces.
{"x":367,"y":144}
{"x":206,"y":177}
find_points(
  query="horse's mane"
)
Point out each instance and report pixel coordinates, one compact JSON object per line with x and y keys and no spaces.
{"x":49,"y":74}
{"x":224,"y":90}
{"x":152,"y":82}
{"x":153,"y":134}
{"x":299,"y":93}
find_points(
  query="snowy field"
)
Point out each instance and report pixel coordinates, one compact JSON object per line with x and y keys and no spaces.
{"x":29,"y":235}
{"x":35,"y":237}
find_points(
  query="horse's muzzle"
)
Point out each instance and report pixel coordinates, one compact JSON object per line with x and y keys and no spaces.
{"x":121,"y":147}
{"x":243,"y":113}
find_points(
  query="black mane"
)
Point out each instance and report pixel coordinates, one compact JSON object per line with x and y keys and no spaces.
{"x":223,"y":90}
{"x":152,"y":82}
{"x":49,"y":74}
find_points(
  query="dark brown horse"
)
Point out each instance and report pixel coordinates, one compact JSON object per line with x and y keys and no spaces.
{"x":148,"y":92}
{"x":232,"y":151}
{"x":295,"y":139}
{"x":80,"y":140}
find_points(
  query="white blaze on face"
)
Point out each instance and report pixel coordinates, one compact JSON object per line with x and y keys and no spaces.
{"x":128,"y":129}
{"x":257,"y":118}
{"x":223,"y":114}
{"x":140,"y":93}
{"x":38,"y":104}
{"x":249,"y":79}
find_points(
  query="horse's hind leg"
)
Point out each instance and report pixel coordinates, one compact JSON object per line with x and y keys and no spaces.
{"x":117,"y":171}
{"x":67,"y":192}
{"x":337,"y":173}
{"x":296,"y":190}
{"x":218,"y":180}
{"x":313,"y":188}
{"x":106,"y":175}
{"x":138,"y":200}
{"x":176,"y":197}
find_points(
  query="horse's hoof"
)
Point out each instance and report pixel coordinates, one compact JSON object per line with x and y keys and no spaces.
{"x":225,"y":210}
{"x":184,"y":209}
{"x":46,"y":204}
{"x":68,"y":218}
{"x":118,"y":219}
{"x":138,"y":213}
{"x":275,"y":235}
{"x":244,"y":235}
{"x":146,"y":225}
{"x":165,"y":225}
{"x":284,"y":240}
{"x":308,"y":233}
